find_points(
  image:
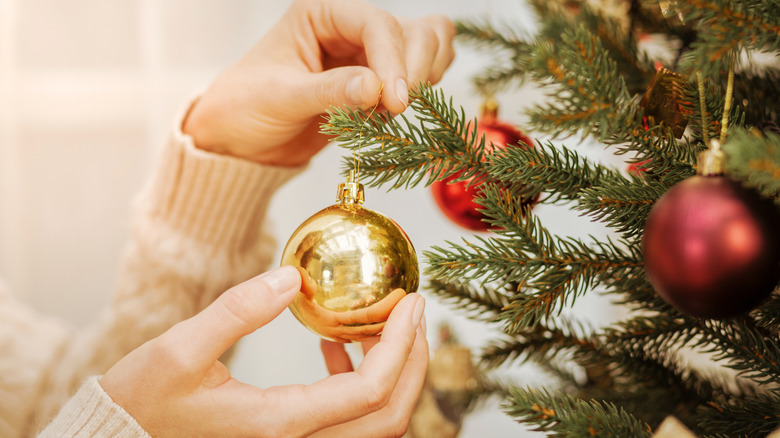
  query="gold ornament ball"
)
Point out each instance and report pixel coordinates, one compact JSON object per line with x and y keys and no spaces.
{"x":356,"y":265}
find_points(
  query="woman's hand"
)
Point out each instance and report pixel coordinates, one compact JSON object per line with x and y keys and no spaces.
{"x":322,"y":53}
{"x":174,"y":385}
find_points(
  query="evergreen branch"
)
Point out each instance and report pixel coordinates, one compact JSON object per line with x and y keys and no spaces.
{"x":622,"y":205}
{"x":505,"y":46}
{"x":496,"y":260}
{"x":636,"y":292}
{"x":619,"y":42}
{"x":498,"y":77}
{"x":741,"y":415}
{"x":486,"y":388}
{"x":482,"y":304}
{"x":755,"y":160}
{"x":768,"y":314}
{"x":562,"y":172}
{"x":728,"y":28}
{"x":540,"y":343}
{"x":648,"y":383}
{"x":552,"y":271}
{"x":396,"y":151}
{"x":590,"y":96}
{"x":758,"y":86}
{"x":561,"y":415}
{"x":744,"y":347}
{"x":652,"y":332}
{"x":490,"y":36}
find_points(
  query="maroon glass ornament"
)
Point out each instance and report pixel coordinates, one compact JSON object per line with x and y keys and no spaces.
{"x":711,"y":247}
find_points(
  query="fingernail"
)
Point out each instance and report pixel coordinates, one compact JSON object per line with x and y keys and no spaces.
{"x":402,"y":92}
{"x":418,"y":311}
{"x":355,"y":90}
{"x":282,"y":279}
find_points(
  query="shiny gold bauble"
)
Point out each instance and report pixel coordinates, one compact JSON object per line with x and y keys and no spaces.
{"x":356,"y":265}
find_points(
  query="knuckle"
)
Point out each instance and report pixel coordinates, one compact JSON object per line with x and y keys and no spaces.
{"x":165,"y":349}
{"x":396,"y":424}
{"x":238,"y":304}
{"x":390,"y":21}
{"x":446,"y":26}
{"x":325,"y":92}
{"x":376,"y":396}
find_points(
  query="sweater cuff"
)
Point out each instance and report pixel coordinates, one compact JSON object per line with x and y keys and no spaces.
{"x":92,"y":413}
{"x":216,"y":199}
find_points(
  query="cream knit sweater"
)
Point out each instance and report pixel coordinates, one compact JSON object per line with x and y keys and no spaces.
{"x":196,"y":233}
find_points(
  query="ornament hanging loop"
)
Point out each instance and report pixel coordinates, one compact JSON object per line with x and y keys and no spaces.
{"x":351,"y":192}
{"x":355,"y":174}
{"x":711,"y":162}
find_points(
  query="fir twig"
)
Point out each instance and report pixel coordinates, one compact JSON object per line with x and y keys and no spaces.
{"x":561,"y":415}
{"x":755,"y":160}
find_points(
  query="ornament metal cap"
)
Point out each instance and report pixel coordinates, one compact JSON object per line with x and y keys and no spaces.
{"x":351,"y":192}
{"x":712,"y":161}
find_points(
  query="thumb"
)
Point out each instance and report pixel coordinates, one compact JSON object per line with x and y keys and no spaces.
{"x":238,"y":312}
{"x":352,"y":86}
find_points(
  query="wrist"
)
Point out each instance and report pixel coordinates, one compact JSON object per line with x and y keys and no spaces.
{"x":195,"y":126}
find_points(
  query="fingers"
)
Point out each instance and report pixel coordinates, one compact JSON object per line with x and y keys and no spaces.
{"x":445,"y":53}
{"x":345,"y":396}
{"x":354,"y":86}
{"x":393,"y":419}
{"x":336,"y":358}
{"x":244,"y":308}
{"x":401,"y":56}
{"x":375,"y":313}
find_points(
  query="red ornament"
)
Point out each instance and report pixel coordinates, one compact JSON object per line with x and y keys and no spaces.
{"x":456,"y":199}
{"x":637,"y":169}
{"x":712,"y":247}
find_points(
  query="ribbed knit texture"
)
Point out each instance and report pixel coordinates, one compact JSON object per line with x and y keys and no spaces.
{"x":196,"y":232}
{"x":92,"y":414}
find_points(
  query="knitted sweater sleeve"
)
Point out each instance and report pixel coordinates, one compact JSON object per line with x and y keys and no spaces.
{"x":196,"y":233}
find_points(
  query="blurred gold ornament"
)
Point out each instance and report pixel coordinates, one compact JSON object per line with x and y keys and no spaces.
{"x":356,"y":265}
{"x":451,"y":383}
{"x":664,"y":102}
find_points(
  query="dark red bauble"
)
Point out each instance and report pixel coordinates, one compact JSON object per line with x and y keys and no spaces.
{"x":456,"y":199}
{"x":712,"y":247}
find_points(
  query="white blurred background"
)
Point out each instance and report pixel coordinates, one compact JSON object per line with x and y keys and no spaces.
{"x":88,"y":90}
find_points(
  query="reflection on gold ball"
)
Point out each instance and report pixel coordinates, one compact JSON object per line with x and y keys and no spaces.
{"x":356,"y":264}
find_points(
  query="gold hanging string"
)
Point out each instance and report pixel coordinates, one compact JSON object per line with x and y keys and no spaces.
{"x":356,"y":153}
{"x":724,"y":123}
{"x":703,"y":104}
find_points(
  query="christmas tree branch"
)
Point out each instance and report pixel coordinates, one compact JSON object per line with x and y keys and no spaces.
{"x":540,"y":343}
{"x":394,"y":150}
{"x":483,"y":304}
{"x":744,"y":347}
{"x":759,"y":85}
{"x":562,"y":172}
{"x":552,"y":271}
{"x":622,"y":205}
{"x":590,"y":95}
{"x":561,"y":415}
{"x":755,"y":160}
{"x":728,"y":27}
{"x":650,"y":383}
{"x":768,"y":315}
{"x":652,"y":332}
{"x":506,"y":48}
{"x":634,"y":291}
{"x":741,"y":415}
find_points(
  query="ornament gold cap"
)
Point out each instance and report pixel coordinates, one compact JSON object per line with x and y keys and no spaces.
{"x":489,"y":107}
{"x":712,"y":161}
{"x":351,"y":192}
